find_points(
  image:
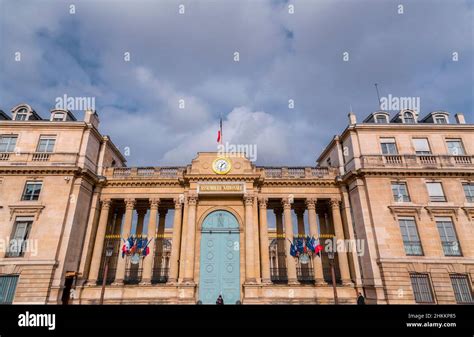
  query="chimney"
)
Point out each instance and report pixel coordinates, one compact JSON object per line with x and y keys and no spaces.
{"x":92,"y":118}
{"x":460,"y":118}
{"x":352,"y":118}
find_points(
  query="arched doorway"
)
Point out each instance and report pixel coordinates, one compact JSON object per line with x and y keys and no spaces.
{"x":220,"y":258}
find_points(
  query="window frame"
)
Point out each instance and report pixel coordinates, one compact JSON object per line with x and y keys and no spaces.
{"x":422,"y":276}
{"x":452,"y":140}
{"x":56,"y":119}
{"x":382,"y":142}
{"x":436,"y":118}
{"x":385,"y":119}
{"x":24,"y":239}
{"x":32,"y":198}
{"x":470,"y":197}
{"x":406,"y":190}
{"x":412,"y":118}
{"x":434,"y":198}
{"x":409,"y":234}
{"x":9,"y":144}
{"x":422,"y":153}
{"x":467,"y":286}
{"x":444,"y":220}
{"x":48,"y":138}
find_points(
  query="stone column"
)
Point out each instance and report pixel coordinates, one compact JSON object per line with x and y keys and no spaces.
{"x":190,"y":238}
{"x":140,"y":219}
{"x":339,"y":232}
{"x":99,"y":241}
{"x":249,"y":241}
{"x":264,"y":249}
{"x":151,"y":233}
{"x":256,"y":232}
{"x":290,"y":260}
{"x":313,"y":231}
{"x":300,"y":218}
{"x":127,"y":226}
{"x":175,"y":243}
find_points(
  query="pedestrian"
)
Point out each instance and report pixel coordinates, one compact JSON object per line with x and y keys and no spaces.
{"x":220,"y":300}
{"x":360,"y":299}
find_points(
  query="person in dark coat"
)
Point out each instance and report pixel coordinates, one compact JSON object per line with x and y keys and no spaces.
{"x":360,"y":299}
{"x":220,"y":300}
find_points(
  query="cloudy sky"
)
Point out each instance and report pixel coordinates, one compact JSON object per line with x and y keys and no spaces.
{"x":283,"y":56}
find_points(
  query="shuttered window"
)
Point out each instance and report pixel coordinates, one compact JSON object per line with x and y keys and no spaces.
{"x":7,"y":288}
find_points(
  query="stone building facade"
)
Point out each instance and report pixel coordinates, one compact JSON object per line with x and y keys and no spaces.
{"x":395,"y":195}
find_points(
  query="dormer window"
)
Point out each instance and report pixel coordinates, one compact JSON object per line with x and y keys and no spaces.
{"x":440,"y":119}
{"x":21,"y":115}
{"x":408,"y":118}
{"x":58,"y":117}
{"x":381,"y":119}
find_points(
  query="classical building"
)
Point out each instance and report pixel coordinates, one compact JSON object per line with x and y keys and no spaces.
{"x":394,"y":196}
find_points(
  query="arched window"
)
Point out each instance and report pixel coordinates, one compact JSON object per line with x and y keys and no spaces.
{"x":21,"y":115}
{"x":408,"y":117}
{"x":380,"y":119}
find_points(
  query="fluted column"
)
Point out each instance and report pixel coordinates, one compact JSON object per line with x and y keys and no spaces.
{"x":264,"y":249}
{"x":127,"y":226}
{"x":249,"y":240}
{"x":290,"y":260}
{"x":99,"y":241}
{"x":176,"y":241}
{"x":300,"y":218}
{"x":190,"y":238}
{"x":151,"y":233}
{"x":313,"y":231}
{"x":339,"y":231}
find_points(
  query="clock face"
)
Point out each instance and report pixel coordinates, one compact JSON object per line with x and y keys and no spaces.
{"x":221,"y":166}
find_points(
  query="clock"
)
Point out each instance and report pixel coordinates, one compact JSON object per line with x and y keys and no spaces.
{"x":221,"y":166}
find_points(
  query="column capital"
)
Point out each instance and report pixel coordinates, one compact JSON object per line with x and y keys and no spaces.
{"x":177,"y":203}
{"x":286,"y":202}
{"x":311,"y":203}
{"x":262,"y":202}
{"x":334,"y":202}
{"x":192,"y":200}
{"x":154,"y":203}
{"x":248,"y":199}
{"x":106,"y":203}
{"x":130,"y":203}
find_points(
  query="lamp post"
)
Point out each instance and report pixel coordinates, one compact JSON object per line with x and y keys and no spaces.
{"x":333,"y":275}
{"x":109,"y":250}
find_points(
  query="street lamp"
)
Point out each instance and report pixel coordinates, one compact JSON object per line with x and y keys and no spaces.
{"x":333,"y":275}
{"x":109,"y":250}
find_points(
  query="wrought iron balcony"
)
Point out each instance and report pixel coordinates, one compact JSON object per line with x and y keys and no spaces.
{"x":133,"y":275}
{"x":279,"y":275}
{"x":413,"y":247}
{"x":160,"y":275}
{"x":451,"y":248}
{"x":305,"y":274}
{"x":416,"y":161}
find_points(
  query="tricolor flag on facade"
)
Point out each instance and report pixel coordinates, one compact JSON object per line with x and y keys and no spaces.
{"x":219,"y":132}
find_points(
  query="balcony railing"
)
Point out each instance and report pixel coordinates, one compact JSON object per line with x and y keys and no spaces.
{"x":145,"y":172}
{"x":416,"y":161}
{"x":305,"y":274}
{"x":413,"y":247}
{"x":110,"y":275}
{"x":278,"y":275}
{"x":38,"y":158}
{"x":133,"y":275}
{"x":160,"y":275}
{"x":451,"y":248}
{"x":298,"y":172}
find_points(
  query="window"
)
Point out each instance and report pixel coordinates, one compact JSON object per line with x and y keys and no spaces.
{"x":32,"y":190}
{"x":58,"y":117}
{"x":8,"y":143}
{"x":455,"y":147}
{"x":400,"y":192}
{"x":46,"y":144}
{"x":408,"y":117}
{"x":389,"y":146}
{"x":449,"y":240}
{"x":380,"y":119}
{"x":440,"y":119}
{"x":21,"y":115}
{"x":411,"y":240}
{"x":18,"y":243}
{"x":462,"y":290}
{"x":421,"y":146}
{"x":469,"y":191}
{"x":421,"y":288}
{"x":435,"y":192}
{"x":7,"y":288}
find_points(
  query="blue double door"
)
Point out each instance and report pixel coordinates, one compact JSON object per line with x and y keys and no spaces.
{"x":220,"y":259}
